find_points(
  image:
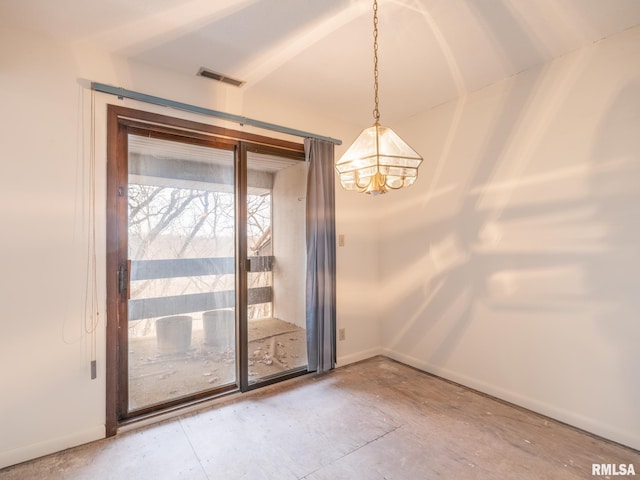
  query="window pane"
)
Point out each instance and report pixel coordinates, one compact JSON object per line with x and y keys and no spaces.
{"x":276,"y":209}
{"x":181,"y":329}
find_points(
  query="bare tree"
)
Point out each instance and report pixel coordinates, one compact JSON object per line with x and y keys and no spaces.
{"x":171,"y":222}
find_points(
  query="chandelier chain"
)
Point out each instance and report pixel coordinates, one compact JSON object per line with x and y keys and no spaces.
{"x":376,"y":110}
{"x":378,"y":160}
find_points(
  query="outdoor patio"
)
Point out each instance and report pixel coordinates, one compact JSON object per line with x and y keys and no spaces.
{"x":275,"y":346}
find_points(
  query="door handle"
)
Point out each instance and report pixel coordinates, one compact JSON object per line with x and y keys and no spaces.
{"x":123,"y":279}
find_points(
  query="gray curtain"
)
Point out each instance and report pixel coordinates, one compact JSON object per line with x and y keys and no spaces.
{"x":321,"y":256}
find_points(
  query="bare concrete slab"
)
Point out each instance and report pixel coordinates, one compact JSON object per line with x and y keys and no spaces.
{"x":376,"y":419}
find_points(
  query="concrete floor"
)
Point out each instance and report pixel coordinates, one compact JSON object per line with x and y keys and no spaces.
{"x":376,"y":419}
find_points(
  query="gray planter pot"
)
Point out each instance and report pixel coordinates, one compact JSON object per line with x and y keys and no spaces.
{"x":219,"y":328}
{"x":174,"y":333}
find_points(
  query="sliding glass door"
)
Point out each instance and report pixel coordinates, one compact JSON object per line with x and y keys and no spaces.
{"x":206,"y":264}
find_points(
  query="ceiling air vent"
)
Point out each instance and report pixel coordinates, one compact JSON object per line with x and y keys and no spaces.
{"x":204,"y":72}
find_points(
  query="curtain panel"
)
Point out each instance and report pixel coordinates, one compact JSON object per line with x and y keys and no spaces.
{"x":321,"y":256}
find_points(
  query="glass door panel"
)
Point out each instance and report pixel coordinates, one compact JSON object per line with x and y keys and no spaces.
{"x":181,"y":240}
{"x":276,"y":246}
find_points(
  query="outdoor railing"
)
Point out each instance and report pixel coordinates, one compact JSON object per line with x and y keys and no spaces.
{"x":194,"y":302}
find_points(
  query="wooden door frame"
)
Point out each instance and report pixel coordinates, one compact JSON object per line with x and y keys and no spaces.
{"x":119,"y":121}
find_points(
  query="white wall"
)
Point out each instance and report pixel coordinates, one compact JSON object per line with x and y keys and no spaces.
{"x":48,"y":400}
{"x":358,"y":292}
{"x":289,"y":244}
{"x":511,"y":266}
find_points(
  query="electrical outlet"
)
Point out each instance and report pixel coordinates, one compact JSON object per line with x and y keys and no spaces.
{"x":341,"y":334}
{"x":341,"y":240}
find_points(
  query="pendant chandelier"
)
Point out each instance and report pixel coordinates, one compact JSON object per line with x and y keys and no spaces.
{"x":378,"y":160}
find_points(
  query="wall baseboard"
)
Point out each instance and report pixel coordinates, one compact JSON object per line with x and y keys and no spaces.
{"x":358,"y":356}
{"x":609,"y":432}
{"x":29,"y":452}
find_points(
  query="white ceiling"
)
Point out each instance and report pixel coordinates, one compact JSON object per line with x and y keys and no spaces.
{"x":318,"y":53}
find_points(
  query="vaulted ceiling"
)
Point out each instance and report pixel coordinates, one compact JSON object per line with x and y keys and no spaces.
{"x":318,"y":53}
